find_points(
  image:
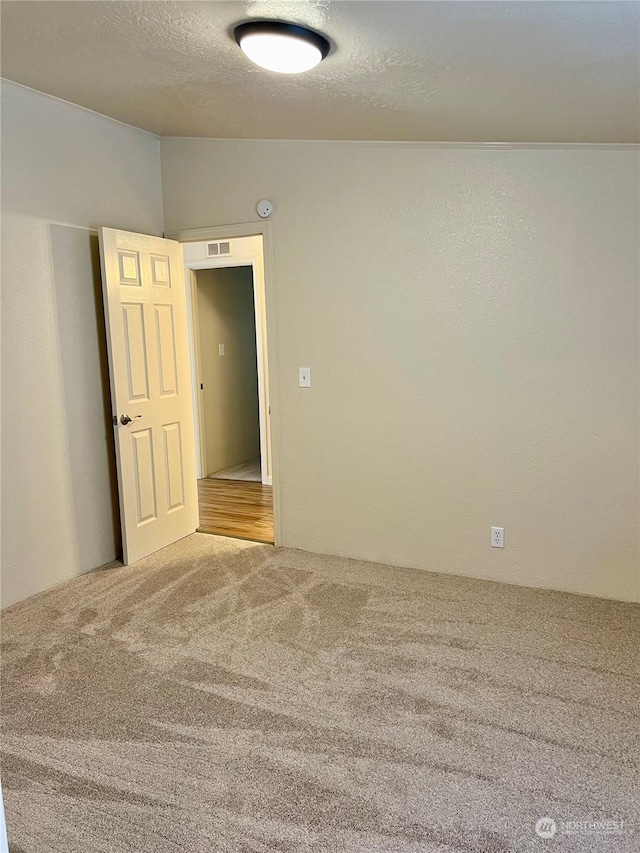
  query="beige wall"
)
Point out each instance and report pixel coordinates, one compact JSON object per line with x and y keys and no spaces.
{"x":470,"y":316}
{"x":226,"y":316}
{"x":64,"y":171}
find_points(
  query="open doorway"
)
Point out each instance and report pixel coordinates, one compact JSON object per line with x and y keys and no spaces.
{"x":228,"y":371}
{"x":230,"y":387}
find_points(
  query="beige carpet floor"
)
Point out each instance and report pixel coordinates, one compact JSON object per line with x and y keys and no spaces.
{"x":244,"y":471}
{"x":228,"y":696}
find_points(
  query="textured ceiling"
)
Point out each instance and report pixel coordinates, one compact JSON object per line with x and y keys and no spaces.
{"x":437,"y":71}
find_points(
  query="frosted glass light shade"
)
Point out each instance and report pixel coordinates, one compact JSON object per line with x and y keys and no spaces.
{"x":280,"y":47}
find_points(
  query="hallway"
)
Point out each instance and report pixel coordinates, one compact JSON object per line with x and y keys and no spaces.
{"x":237,"y":508}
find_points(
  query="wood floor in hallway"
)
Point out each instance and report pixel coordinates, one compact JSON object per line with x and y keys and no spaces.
{"x":236,"y":508}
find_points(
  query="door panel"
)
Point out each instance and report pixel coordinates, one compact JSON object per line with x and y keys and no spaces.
{"x":147,"y":340}
{"x":160,"y":270}
{"x":165,"y":332}
{"x":129,"y":268}
{"x":142,"y":444}
{"x":174,"y":466}
{"x":135,"y":352}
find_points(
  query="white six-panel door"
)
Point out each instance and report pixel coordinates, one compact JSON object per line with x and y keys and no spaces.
{"x":148,"y":348}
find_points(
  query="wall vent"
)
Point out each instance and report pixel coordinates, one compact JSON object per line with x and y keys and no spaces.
{"x":215,"y":249}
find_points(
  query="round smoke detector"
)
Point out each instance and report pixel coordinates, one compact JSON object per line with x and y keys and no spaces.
{"x":265,"y":208}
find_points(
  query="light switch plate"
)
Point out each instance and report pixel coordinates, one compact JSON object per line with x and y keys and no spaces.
{"x":220,"y":349}
{"x":304,"y":377}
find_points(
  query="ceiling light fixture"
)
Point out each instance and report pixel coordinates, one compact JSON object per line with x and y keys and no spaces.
{"x":285,"y":48}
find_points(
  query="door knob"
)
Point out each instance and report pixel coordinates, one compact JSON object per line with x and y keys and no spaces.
{"x":125,"y":419}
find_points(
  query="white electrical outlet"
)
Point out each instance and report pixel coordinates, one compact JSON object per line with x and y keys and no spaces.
{"x":497,"y":537}
{"x":220,"y":349}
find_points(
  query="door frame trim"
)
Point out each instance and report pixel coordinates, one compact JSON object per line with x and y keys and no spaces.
{"x":255,"y":229}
